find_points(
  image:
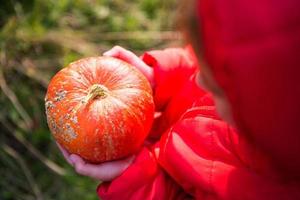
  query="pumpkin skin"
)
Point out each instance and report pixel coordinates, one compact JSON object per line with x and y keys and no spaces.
{"x":99,"y":108}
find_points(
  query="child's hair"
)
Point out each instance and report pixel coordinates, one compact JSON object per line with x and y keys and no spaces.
{"x":189,"y":24}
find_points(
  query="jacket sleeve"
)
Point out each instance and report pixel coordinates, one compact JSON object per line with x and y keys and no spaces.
{"x":172,"y":68}
{"x":175,"y":88}
{"x":209,"y":160}
{"x":144,"y":179}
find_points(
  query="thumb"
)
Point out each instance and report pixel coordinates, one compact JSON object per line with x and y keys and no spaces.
{"x":131,"y":58}
{"x":109,"y":170}
{"x":105,"y":171}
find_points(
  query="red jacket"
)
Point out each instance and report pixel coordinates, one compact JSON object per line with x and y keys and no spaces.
{"x":198,"y":156}
{"x":253,"y":50}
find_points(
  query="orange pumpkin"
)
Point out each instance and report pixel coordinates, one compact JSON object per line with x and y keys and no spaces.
{"x":99,"y":108}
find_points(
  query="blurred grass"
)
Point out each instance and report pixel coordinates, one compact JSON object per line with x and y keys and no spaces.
{"x":39,"y":37}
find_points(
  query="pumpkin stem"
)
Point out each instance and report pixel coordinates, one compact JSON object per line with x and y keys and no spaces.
{"x":96,"y":91}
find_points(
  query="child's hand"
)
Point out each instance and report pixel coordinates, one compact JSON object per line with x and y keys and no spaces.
{"x":104,"y":172}
{"x":131,"y":58}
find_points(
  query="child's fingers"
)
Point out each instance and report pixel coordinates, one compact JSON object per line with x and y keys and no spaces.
{"x":131,"y":58}
{"x":109,"y":170}
{"x":125,"y":55}
{"x":65,"y":153}
{"x":113,"y":52}
{"x":121,"y":53}
{"x":104,"y":172}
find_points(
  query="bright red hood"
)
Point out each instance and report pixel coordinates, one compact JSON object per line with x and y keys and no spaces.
{"x":253,"y":49}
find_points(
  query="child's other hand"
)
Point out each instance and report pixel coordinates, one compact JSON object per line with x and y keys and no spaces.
{"x":131,"y":58}
{"x":103,"y":172}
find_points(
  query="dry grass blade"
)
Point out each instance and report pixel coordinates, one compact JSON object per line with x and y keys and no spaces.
{"x":28,"y":69}
{"x":140,"y":35}
{"x":35,"y":188}
{"x":50,"y":164}
{"x":14,"y":100}
{"x":83,"y":42}
{"x":72,"y":40}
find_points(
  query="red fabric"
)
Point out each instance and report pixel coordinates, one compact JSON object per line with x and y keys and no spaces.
{"x":172,"y":67}
{"x":144,"y":179}
{"x":253,"y":49}
{"x":175,"y":89}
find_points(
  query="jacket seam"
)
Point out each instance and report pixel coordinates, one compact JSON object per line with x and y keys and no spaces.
{"x":212,"y":164}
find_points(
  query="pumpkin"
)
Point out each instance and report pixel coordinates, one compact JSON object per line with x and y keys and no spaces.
{"x":100,"y":108}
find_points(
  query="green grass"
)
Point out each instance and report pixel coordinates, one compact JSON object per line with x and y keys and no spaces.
{"x":37,"y":38}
